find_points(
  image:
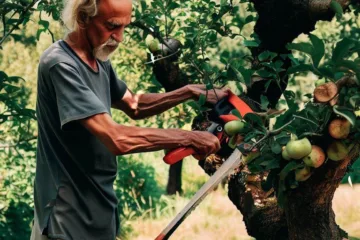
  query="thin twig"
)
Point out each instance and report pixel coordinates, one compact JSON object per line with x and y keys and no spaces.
{"x":270,"y":133}
{"x":19,"y":21}
{"x":296,"y":116}
{"x":158,"y":59}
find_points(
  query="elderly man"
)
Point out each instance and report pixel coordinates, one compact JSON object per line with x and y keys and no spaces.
{"x":78,"y":141}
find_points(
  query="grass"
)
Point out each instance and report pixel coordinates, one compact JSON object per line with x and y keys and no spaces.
{"x":216,"y":217}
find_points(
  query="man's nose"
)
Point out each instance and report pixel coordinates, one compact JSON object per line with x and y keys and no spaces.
{"x":118,"y":35}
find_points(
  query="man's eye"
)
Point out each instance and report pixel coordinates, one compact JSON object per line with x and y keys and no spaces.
{"x":112,"y":26}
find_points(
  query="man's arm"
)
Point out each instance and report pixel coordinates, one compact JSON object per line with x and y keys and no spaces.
{"x":139,"y":106}
{"x":120,"y":139}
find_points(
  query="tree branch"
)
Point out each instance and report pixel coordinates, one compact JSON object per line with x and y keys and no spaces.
{"x":18,"y":22}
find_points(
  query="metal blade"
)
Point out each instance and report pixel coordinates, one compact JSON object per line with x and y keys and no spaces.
{"x":230,"y":164}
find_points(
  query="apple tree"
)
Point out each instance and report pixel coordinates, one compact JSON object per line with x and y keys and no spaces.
{"x":297,"y":146}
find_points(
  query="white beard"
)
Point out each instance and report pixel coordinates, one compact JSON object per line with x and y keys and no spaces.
{"x":103,"y":51}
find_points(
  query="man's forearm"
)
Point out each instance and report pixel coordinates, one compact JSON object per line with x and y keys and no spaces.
{"x":150,"y":104}
{"x":127,"y":140}
{"x":120,"y":139}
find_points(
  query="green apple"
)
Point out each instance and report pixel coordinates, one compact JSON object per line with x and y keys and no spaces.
{"x":298,"y":149}
{"x":154,"y":46}
{"x":337,"y":150}
{"x":233,"y":127}
{"x":316,"y":158}
{"x":285,"y":154}
{"x":302,"y":174}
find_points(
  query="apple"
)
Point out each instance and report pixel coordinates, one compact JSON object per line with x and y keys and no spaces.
{"x":325,"y":92}
{"x":298,"y":149}
{"x":302,"y":174}
{"x":339,"y":128}
{"x":337,"y":150}
{"x":285,"y":154}
{"x":233,"y":127}
{"x":316,"y":158}
{"x":154,"y":46}
{"x":235,"y":140}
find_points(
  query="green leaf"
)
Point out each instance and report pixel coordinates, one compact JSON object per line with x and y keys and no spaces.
{"x":264,"y":102}
{"x":202,"y":99}
{"x":282,"y":138}
{"x":300,"y":68}
{"x":289,"y":167}
{"x":301,"y":47}
{"x":342,"y":49}
{"x":223,"y":2}
{"x":264,"y":55}
{"x":248,"y":43}
{"x":38,"y":33}
{"x":255,"y":120}
{"x":271,"y":164}
{"x":236,"y":113}
{"x":351,"y":65}
{"x":275,"y":147}
{"x":336,"y":7}
{"x":246,"y":73}
{"x":44,"y":23}
{"x":233,"y":73}
{"x":318,"y":49}
{"x":354,"y":101}
{"x":346,"y":113}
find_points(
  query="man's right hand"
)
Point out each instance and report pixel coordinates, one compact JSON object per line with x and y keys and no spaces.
{"x":204,"y":143}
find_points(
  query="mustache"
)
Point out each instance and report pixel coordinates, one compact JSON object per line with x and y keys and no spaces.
{"x":111,"y":42}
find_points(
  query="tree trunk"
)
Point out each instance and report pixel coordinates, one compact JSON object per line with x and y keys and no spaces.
{"x":307,"y":213}
{"x":169,"y":76}
{"x":174,"y":180}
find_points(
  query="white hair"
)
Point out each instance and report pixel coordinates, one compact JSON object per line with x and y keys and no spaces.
{"x":78,"y":11}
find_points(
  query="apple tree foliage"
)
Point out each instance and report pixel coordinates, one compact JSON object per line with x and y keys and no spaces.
{"x":204,"y":25}
{"x":217,"y":41}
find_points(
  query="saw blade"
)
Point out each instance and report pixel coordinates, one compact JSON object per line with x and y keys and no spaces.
{"x":229,"y":165}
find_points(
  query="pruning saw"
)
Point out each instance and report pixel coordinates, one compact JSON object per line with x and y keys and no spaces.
{"x":220,"y":112}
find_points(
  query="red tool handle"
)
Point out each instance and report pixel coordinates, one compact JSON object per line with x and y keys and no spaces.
{"x":228,"y":118}
{"x":177,"y":154}
{"x":239,"y":104}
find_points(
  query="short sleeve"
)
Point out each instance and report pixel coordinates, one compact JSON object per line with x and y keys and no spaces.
{"x":117,"y":87}
{"x":75,"y":100}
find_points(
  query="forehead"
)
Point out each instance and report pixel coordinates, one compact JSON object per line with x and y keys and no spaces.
{"x":119,"y":10}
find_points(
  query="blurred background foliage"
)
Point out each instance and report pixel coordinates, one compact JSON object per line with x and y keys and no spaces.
{"x":30,"y":27}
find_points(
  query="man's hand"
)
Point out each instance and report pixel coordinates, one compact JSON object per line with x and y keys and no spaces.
{"x":204,"y":143}
{"x":212,"y":95}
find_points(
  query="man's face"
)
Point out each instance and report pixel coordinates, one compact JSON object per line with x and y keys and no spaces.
{"x":105,"y":30}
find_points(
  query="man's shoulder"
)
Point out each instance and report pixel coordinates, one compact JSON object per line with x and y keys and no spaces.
{"x":55,"y":54}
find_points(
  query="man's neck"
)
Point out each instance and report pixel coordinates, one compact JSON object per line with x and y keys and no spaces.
{"x":82,"y":47}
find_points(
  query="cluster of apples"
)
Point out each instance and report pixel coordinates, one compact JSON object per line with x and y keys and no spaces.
{"x":301,"y":149}
{"x":313,"y":156}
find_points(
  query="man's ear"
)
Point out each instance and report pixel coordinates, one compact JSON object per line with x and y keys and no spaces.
{"x":82,"y":19}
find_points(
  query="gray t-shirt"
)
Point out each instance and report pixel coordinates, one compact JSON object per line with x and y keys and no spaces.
{"x":75,"y":172}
